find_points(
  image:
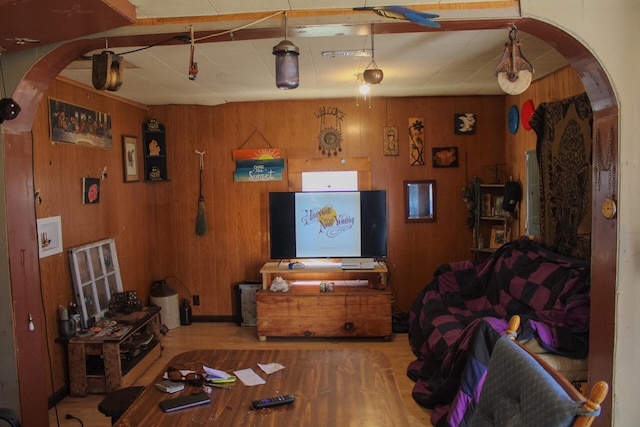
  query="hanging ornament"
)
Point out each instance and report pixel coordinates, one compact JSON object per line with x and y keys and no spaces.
{"x":514,"y":72}
{"x":330,"y":136}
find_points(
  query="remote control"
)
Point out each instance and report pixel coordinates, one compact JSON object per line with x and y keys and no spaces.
{"x":273,"y":401}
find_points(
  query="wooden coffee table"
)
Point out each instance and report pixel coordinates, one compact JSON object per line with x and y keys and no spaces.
{"x":331,"y":387}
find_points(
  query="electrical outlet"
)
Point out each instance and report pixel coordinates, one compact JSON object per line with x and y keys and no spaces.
{"x":196,"y":300}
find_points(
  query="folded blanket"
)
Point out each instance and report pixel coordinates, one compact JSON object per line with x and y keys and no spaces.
{"x":456,"y":319}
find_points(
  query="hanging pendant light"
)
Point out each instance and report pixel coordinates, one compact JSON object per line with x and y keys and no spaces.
{"x":372,"y":74}
{"x":287,"y":74}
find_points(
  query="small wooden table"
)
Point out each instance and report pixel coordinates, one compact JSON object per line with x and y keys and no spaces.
{"x":331,"y":387}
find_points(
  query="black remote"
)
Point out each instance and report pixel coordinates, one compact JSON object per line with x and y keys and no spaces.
{"x":273,"y":401}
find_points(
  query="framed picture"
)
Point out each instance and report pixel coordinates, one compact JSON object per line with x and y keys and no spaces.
{"x":130,"y":158}
{"x":420,"y":201}
{"x":497,"y":206}
{"x":49,"y":236}
{"x":464,"y":123}
{"x":77,"y":125}
{"x":445,"y":157}
{"x":90,"y":191}
{"x":497,"y":236}
{"x":487,"y":208}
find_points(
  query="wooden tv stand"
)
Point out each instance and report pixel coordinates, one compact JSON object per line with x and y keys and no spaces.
{"x":359,"y":306}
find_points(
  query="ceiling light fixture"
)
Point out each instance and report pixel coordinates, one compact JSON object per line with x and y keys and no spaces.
{"x":287,"y":73}
{"x":372,"y":74}
{"x":363,"y":89}
{"x":514,"y":72}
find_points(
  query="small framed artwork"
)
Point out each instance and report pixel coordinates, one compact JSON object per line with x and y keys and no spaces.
{"x":390,"y":141}
{"x":487,"y":209}
{"x":130,"y":158}
{"x":464,"y":123}
{"x":497,"y":237}
{"x":49,"y":236}
{"x":445,"y":157}
{"x":497,"y":206}
{"x":90,"y":191}
{"x":420,"y":201}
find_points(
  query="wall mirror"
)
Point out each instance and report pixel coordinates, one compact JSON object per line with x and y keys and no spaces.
{"x":420,"y":201}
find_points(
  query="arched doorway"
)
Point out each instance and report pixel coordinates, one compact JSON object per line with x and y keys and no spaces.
{"x":22,"y":239}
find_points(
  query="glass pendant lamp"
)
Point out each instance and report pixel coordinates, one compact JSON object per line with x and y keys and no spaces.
{"x":287,"y":73}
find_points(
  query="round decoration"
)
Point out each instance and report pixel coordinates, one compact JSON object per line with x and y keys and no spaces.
{"x":329,"y":141}
{"x":609,"y":208}
{"x":527,"y":113}
{"x":513,"y":119}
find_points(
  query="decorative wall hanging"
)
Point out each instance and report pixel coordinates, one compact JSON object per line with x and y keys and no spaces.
{"x":464,"y":123}
{"x":416,"y":141}
{"x":130,"y":158}
{"x":77,"y":125}
{"x":564,"y":141}
{"x":390,"y":141}
{"x":330,"y":137}
{"x":513,"y":119}
{"x":514,"y":72}
{"x":154,"y":148}
{"x":90,"y":191}
{"x":445,"y":157}
{"x":257,"y":164}
{"x":527,"y":111}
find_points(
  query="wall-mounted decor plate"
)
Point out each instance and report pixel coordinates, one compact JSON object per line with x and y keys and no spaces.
{"x":513,"y":119}
{"x":527,"y":113}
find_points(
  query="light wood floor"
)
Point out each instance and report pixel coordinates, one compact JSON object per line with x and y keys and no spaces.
{"x":230,"y":336}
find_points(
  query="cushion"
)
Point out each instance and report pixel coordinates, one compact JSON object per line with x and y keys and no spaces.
{"x":574,"y":370}
{"x":518,"y":392}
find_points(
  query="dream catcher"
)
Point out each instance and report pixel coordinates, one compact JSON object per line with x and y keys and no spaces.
{"x":330,"y":137}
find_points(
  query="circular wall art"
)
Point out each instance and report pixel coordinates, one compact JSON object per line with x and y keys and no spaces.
{"x":513,"y":119}
{"x":527,"y":112}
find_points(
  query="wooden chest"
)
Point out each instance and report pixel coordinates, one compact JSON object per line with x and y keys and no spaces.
{"x":348,"y":311}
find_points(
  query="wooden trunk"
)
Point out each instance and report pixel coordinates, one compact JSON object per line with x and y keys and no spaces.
{"x":305,"y":311}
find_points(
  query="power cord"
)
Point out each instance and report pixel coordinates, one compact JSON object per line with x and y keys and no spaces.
{"x":71,"y":417}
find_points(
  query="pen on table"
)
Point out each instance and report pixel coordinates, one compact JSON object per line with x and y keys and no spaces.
{"x":226,"y":387}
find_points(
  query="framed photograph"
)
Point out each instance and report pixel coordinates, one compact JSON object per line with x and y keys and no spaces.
{"x":420,"y":201}
{"x":130,"y":158}
{"x":497,"y":236}
{"x":497,"y":206}
{"x":445,"y":157}
{"x":487,"y":208}
{"x":90,"y":191}
{"x":49,"y":236}
{"x":464,"y":123}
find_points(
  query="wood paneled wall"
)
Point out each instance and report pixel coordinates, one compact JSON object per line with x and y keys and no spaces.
{"x":236,"y":244}
{"x":154,"y":224}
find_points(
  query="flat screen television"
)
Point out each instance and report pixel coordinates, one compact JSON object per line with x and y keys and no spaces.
{"x":332,"y":224}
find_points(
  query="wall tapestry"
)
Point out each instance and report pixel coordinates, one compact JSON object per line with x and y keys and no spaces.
{"x":390,"y":141}
{"x":330,"y":136}
{"x":564,"y":141}
{"x":416,"y":141}
{"x":77,"y":125}
{"x":464,"y":123}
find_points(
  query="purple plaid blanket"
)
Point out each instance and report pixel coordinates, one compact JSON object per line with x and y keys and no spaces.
{"x":457,"y":318}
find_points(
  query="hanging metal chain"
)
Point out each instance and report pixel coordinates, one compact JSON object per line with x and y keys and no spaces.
{"x":609,"y":166}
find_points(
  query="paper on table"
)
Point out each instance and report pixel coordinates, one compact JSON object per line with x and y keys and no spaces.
{"x":249,"y":377}
{"x":215,"y":373}
{"x":270,"y":368}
